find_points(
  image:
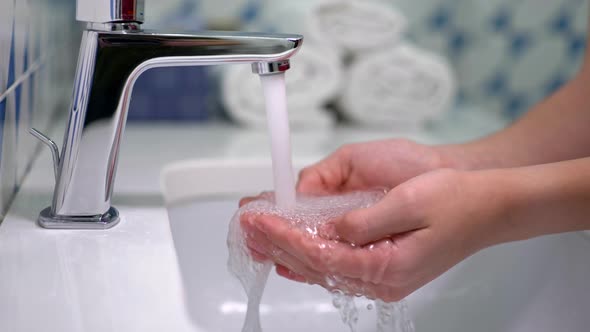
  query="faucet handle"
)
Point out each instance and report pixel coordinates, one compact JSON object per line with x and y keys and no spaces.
{"x":52,"y":146}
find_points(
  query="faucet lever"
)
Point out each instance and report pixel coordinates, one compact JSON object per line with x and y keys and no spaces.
{"x":52,"y":146}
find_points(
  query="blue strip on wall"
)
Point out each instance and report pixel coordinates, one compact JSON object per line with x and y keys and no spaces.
{"x":9,"y":83}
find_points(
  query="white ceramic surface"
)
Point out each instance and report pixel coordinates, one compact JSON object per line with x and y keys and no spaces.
{"x":123,"y":279}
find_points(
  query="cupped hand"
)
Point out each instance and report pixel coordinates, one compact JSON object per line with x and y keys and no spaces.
{"x":359,"y":166}
{"x":419,"y":230}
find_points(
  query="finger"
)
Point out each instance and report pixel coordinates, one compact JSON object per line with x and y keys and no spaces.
{"x":303,"y":272}
{"x":327,"y":175}
{"x":247,"y":223}
{"x":257,"y":256}
{"x":285,"y":272}
{"x":352,"y":270}
{"x":304,"y":247}
{"x":373,"y":264}
{"x":346,"y":285}
{"x":256,"y":250}
{"x":324,"y":256}
{"x":249,"y":231}
{"x":396,"y":213}
{"x":333,"y":281}
{"x":258,"y":243}
{"x":368,"y":264}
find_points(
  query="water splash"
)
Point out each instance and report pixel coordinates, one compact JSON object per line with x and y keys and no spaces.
{"x":393,"y":317}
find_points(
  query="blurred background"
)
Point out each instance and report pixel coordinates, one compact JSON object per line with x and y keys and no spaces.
{"x":503,"y":55}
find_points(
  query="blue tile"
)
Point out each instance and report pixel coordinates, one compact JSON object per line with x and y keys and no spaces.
{"x":18,"y":92}
{"x":171,"y":94}
{"x":561,"y":23}
{"x":440,"y":19}
{"x":11,"y":64}
{"x":32,"y":96}
{"x":554,"y":84}
{"x":520,"y":43}
{"x":2,"y":118}
{"x":576,"y":46}
{"x":501,"y":21}
{"x":11,"y":78}
{"x":516,"y":105}
{"x":250,"y":11}
{"x":496,"y":85}
{"x":461,"y":97}
{"x":458,"y":41}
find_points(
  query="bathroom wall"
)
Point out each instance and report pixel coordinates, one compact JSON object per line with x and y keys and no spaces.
{"x":507,"y":54}
{"x":37,"y":56}
{"x":172,"y":94}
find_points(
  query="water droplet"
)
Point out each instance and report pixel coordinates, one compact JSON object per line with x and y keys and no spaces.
{"x":330,"y":281}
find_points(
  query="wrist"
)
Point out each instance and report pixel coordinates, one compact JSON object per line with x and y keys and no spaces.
{"x":454,"y":156}
{"x":494,"y":195}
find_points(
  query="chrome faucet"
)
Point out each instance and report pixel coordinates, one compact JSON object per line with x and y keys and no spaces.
{"x":114,"y":52}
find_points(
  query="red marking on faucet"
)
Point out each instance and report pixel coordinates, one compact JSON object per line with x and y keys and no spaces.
{"x":284,"y":66}
{"x":128,"y":9}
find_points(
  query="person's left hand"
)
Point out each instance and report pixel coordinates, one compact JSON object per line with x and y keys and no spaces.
{"x":419,"y":230}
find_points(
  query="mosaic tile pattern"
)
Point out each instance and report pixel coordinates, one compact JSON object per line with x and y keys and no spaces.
{"x":507,"y":54}
{"x":37,"y":53}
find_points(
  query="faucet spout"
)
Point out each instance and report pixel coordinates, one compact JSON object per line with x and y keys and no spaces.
{"x":109,"y":63}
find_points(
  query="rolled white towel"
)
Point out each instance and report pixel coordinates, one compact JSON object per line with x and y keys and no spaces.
{"x":354,"y":26}
{"x":401,"y":86}
{"x":312,"y":81}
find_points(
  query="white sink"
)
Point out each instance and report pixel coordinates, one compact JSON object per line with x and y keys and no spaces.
{"x":541,"y":285}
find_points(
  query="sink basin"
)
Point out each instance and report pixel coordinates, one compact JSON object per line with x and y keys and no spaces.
{"x":540,"y":285}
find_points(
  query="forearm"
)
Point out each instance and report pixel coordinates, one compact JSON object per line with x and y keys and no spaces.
{"x":539,"y":200}
{"x":554,"y":130}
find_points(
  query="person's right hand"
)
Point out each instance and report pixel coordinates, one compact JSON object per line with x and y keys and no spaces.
{"x":361,"y":166}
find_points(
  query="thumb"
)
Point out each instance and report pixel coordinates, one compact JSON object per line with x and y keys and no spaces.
{"x":394,"y":214}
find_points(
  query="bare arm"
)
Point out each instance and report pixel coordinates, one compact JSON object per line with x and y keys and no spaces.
{"x":538,"y":200}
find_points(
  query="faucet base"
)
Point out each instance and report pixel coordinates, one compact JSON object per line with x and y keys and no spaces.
{"x":104,"y":221}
